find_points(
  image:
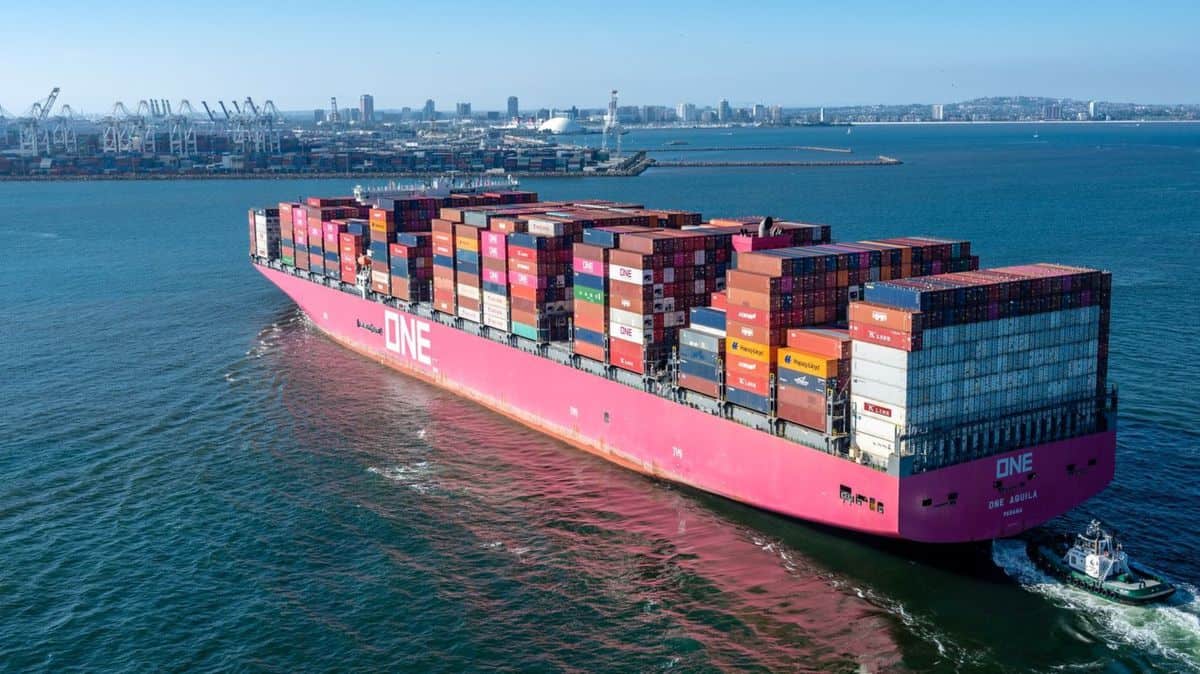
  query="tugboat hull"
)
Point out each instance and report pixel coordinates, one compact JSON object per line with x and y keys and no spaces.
{"x":1147,"y":588}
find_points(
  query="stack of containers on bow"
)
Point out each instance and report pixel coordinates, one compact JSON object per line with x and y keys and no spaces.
{"x":442,"y":241}
{"x":493,"y":281}
{"x":287,"y":241}
{"x":467,"y":272}
{"x":383,"y":234}
{"x":331,"y":243}
{"x":774,"y":290}
{"x":352,"y":245}
{"x":655,"y":277}
{"x":265,"y":232}
{"x":701,"y":351}
{"x":411,"y":262}
{"x":959,"y":364}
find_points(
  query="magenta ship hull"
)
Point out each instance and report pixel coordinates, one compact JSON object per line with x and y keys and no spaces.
{"x":658,"y":437}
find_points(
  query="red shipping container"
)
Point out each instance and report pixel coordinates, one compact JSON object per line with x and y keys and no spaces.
{"x":699,"y":384}
{"x":803,"y":407}
{"x":627,"y":356}
{"x":885,"y":336}
{"x":759,"y":385}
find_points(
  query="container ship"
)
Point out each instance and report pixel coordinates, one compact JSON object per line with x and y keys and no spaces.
{"x":890,"y":386}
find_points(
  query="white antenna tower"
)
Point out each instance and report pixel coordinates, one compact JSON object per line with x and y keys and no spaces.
{"x":610,"y":125}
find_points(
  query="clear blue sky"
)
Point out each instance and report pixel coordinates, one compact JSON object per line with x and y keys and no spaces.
{"x":562,"y":53}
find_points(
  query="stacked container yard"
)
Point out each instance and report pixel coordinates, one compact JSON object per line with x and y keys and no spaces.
{"x":411,"y":266}
{"x":701,"y":352}
{"x":774,"y":290}
{"x":965,"y":364}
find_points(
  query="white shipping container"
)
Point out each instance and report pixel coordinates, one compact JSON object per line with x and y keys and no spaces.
{"x":379,"y":276}
{"x":877,"y":427}
{"x":469,"y":314}
{"x":867,"y":407}
{"x":494,"y":322}
{"x":495,"y":311}
{"x":877,"y":447}
{"x":468,"y":291}
{"x":629,"y":318}
{"x":882,"y":392}
{"x":884,"y":355}
{"x":642,"y":277}
{"x":495,"y":298}
{"x":626,"y":333}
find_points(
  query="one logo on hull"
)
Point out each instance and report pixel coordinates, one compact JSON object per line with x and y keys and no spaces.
{"x":406,"y":336}
{"x":1014,"y":465}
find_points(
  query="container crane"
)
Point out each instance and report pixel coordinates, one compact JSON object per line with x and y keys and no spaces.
{"x":181,"y":131}
{"x":62,"y":136}
{"x":35,"y":137}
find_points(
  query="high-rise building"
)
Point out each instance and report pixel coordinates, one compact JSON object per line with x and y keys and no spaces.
{"x":776,"y":114}
{"x":366,"y":109}
{"x":318,"y":116}
{"x":513,"y":109}
{"x":1091,"y":109}
{"x":1052,"y":112}
{"x":759,"y":112}
{"x":430,"y":111}
{"x":462,"y":110}
{"x":724,"y":112}
{"x":937,"y":112}
{"x":686,"y":112}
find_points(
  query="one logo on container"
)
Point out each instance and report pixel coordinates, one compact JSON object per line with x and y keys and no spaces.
{"x":1014,"y":465}
{"x":406,"y":336}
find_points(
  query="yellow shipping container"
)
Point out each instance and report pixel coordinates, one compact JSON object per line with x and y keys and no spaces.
{"x":466,"y":243}
{"x":764,"y":353}
{"x":808,"y":363}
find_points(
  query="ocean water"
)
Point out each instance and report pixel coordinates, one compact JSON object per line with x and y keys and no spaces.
{"x":192,"y":478}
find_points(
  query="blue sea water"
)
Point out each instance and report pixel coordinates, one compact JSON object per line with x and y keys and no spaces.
{"x":192,"y":478}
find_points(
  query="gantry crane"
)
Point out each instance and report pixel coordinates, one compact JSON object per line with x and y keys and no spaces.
{"x":35,"y":137}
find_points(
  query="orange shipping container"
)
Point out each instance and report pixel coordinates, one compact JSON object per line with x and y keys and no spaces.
{"x":823,"y":342}
{"x":887,"y":317}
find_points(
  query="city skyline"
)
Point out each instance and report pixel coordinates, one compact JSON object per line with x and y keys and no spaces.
{"x":773,"y":52}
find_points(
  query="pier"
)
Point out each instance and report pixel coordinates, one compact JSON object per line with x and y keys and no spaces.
{"x":878,"y":161}
{"x":748,"y":148}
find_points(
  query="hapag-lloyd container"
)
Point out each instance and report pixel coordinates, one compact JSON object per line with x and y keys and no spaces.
{"x":726,"y":454}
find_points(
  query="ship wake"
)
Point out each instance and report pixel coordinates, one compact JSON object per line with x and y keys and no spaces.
{"x":1171,"y":630}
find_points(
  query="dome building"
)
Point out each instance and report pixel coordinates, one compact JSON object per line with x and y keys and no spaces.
{"x":560,"y":126}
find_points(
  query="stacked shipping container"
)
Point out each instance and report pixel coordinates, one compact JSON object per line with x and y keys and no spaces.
{"x":975,"y":362}
{"x":774,"y":290}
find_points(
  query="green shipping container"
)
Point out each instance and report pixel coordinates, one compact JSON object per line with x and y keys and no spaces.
{"x":589,"y":295}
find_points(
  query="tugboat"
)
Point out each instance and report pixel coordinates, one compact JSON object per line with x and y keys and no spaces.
{"x":1096,"y":563}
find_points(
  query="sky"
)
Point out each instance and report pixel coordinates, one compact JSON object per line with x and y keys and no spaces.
{"x":557,"y":54}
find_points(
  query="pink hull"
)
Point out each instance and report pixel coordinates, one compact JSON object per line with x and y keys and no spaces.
{"x":658,"y":437}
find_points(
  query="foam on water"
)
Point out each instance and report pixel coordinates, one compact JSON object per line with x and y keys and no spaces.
{"x":1171,"y":630}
